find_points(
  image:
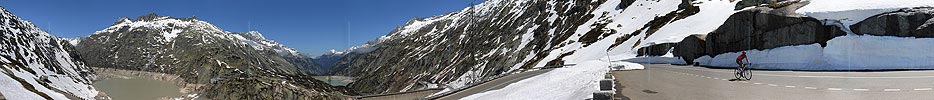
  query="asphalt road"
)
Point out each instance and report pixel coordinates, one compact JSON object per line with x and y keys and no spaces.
{"x":670,"y":82}
{"x":493,"y":85}
{"x":404,"y":96}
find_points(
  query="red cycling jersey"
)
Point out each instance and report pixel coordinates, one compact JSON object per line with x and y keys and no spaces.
{"x":741,"y":56}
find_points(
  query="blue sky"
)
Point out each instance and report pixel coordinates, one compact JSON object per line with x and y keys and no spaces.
{"x":311,"y":26}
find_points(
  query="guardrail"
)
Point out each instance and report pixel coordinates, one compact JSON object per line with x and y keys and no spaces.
{"x":378,"y":95}
{"x":433,"y":97}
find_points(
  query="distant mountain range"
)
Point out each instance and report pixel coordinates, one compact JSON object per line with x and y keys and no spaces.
{"x":232,"y":65}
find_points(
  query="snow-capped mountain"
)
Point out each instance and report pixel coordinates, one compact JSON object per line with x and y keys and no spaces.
{"x":259,"y":42}
{"x":331,"y":61}
{"x":36,"y":65}
{"x":73,"y":41}
{"x":256,"y":39}
{"x":499,"y":37}
{"x":230,"y":64}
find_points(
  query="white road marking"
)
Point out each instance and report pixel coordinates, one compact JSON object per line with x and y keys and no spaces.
{"x":834,"y":89}
{"x":891,"y":90}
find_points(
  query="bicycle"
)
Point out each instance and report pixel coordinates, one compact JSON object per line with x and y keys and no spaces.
{"x":743,"y":72}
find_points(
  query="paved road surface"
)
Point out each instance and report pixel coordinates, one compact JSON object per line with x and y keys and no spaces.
{"x":405,"y":96}
{"x":493,"y":85}
{"x":670,"y":82}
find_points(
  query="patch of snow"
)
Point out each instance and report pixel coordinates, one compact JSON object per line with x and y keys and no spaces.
{"x":171,"y":34}
{"x":621,"y":65}
{"x":572,"y":83}
{"x":712,"y":14}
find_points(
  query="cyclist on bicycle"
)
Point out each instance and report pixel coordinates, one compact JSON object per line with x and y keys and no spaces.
{"x":739,"y":60}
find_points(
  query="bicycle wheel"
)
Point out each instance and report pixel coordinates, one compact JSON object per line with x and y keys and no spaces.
{"x":738,"y":73}
{"x":747,"y":73}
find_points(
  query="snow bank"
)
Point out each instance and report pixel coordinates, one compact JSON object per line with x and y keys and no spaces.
{"x":572,"y":83}
{"x":788,"y":57}
{"x":851,"y":52}
{"x":627,"y":66}
{"x":880,"y":52}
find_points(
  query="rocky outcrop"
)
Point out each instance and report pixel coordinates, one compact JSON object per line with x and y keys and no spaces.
{"x":759,"y":28}
{"x":908,"y":22}
{"x":655,"y":50}
{"x":691,"y":47}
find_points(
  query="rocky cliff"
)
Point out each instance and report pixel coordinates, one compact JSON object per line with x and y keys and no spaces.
{"x":913,"y":22}
{"x":36,"y":65}
{"x":760,"y":29}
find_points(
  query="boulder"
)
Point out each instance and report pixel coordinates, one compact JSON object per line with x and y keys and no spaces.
{"x":761,"y":28}
{"x":928,"y":27}
{"x":655,"y":50}
{"x":908,"y":22}
{"x":690,"y":47}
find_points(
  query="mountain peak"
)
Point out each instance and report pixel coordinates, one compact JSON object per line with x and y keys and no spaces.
{"x":253,"y":35}
{"x":158,"y":22}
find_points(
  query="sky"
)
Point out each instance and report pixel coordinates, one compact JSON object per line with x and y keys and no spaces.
{"x":310,"y":26}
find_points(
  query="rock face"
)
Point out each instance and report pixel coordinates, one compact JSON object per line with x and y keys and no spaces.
{"x":34,"y":65}
{"x":691,"y":47}
{"x":908,"y":22}
{"x":232,"y":65}
{"x":656,"y":50}
{"x":760,"y":28}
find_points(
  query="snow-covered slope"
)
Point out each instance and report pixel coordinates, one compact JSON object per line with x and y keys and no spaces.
{"x":498,"y":37}
{"x":36,"y":65}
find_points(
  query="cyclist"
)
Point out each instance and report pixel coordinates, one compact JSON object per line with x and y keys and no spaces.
{"x":740,"y":58}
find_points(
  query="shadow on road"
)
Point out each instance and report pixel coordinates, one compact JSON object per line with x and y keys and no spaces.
{"x":619,"y":92}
